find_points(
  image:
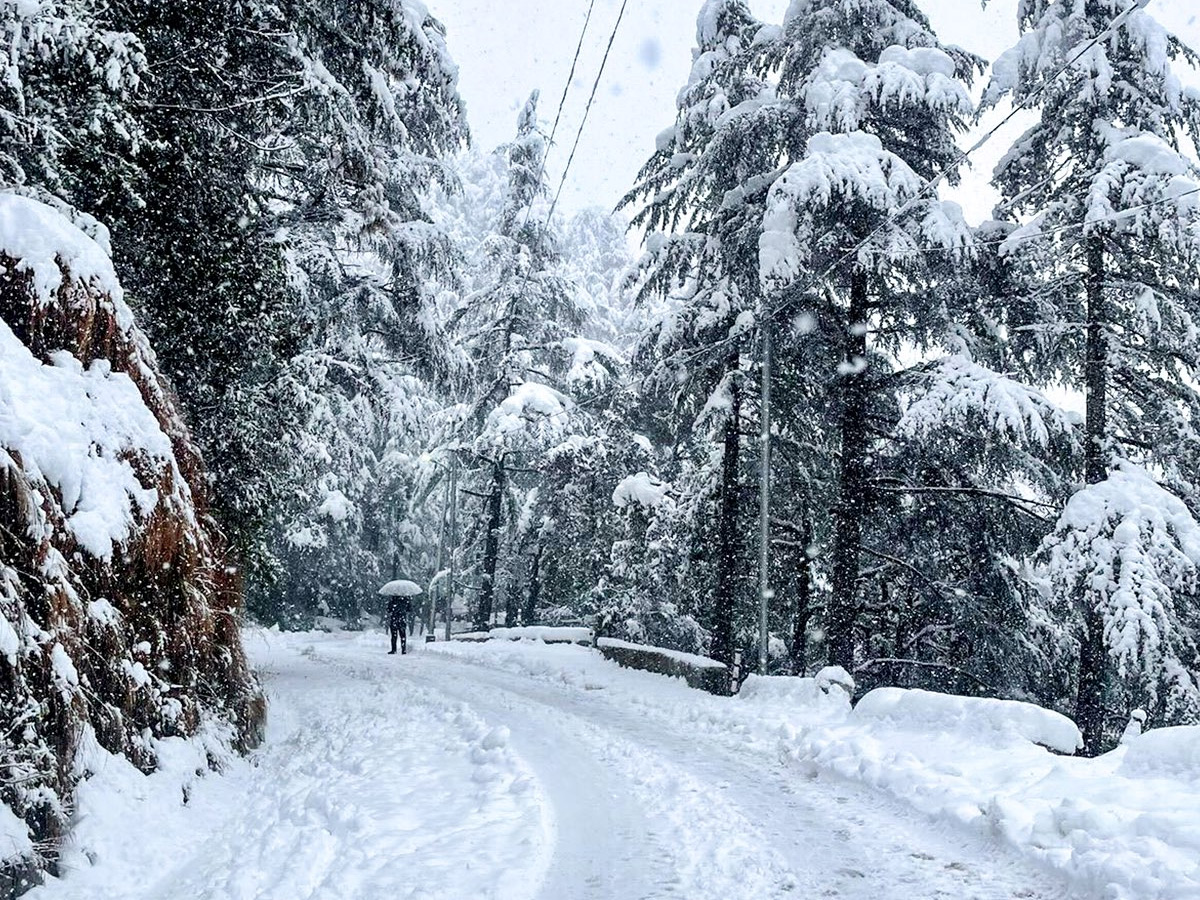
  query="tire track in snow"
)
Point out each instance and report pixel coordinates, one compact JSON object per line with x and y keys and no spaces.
{"x":632,"y":823}
{"x":838,"y":839}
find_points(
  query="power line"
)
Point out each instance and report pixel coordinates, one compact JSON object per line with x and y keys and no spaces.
{"x":587,"y":109}
{"x":562,"y":102}
{"x":578,"y":136}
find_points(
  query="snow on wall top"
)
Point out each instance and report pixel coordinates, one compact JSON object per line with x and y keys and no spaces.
{"x":701,"y":662}
{"x":41,"y":238}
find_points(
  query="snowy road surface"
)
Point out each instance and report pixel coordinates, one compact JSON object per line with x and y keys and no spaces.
{"x":453,"y":774}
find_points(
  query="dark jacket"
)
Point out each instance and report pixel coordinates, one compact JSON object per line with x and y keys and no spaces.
{"x":398,"y":609}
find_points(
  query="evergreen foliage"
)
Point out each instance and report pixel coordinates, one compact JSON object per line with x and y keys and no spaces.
{"x":1106,"y":186}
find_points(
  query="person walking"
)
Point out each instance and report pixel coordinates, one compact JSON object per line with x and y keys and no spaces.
{"x":398,"y":610}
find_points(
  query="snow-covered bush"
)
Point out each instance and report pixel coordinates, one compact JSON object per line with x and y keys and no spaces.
{"x":118,"y":610}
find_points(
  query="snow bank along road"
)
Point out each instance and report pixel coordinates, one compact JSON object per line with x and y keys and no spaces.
{"x":514,"y":771}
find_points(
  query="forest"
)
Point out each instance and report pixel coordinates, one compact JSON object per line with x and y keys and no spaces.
{"x":363,"y":348}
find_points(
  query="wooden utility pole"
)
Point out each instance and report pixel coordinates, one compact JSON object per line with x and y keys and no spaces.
{"x":852,"y":489}
{"x":1093,"y":655}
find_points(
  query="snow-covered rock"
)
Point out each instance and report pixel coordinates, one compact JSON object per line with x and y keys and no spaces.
{"x":116,"y":598}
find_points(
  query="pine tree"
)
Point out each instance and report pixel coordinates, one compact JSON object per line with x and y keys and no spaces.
{"x":879,"y":102}
{"x":793,"y":144}
{"x":1105,"y":183}
{"x":71,"y":79}
{"x":374,"y":82}
{"x":701,"y":265}
{"x":519,"y":324}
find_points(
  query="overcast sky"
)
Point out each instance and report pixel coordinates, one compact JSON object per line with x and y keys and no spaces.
{"x":506,"y":48}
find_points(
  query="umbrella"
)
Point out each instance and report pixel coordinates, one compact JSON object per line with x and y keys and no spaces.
{"x":400,"y":588}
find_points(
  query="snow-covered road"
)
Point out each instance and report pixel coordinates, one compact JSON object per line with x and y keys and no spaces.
{"x":648,"y":811}
{"x":443,"y":775}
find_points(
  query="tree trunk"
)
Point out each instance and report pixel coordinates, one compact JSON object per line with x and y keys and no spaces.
{"x":533,"y":597}
{"x":1093,"y":655}
{"x":491,"y":547}
{"x":728,"y":536}
{"x":852,"y":490}
{"x":803,"y":603}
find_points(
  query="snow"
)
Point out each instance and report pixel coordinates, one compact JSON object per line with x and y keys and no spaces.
{"x":1164,"y":753}
{"x":960,"y":763}
{"x":591,"y":361}
{"x":368,"y":786}
{"x":837,"y":169}
{"x":14,"y":836}
{"x":101,"y":610}
{"x":641,"y":490}
{"x":1141,"y":170}
{"x":10,"y":642}
{"x":43,"y":242}
{"x":79,"y":429}
{"x":977,"y":717}
{"x":400,"y":588}
{"x":518,"y":769}
{"x":66,"y":676}
{"x":547,"y":633}
{"x":957,"y":390}
{"x":336,"y":506}
{"x":529,"y":402}
{"x":1134,"y":546}
{"x":84,"y":431}
{"x":774,"y":692}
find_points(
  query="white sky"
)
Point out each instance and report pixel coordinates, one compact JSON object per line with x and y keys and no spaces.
{"x":506,"y":48}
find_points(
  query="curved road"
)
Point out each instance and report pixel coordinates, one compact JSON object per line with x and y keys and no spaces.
{"x":644,"y":811}
{"x":443,"y":776}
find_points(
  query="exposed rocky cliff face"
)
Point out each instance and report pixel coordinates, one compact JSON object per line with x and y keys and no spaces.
{"x":118,"y":606}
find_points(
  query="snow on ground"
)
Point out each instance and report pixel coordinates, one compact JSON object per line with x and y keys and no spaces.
{"x":368,"y":787}
{"x":1123,"y":826}
{"x":524,"y":770}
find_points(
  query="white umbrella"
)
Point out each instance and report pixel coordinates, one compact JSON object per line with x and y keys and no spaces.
{"x":401,"y":588}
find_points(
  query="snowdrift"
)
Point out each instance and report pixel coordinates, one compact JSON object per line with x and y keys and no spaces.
{"x":118,"y":607}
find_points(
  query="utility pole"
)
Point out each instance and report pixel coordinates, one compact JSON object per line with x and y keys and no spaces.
{"x":764,"y":499}
{"x":453,"y":538}
{"x":441,"y":559}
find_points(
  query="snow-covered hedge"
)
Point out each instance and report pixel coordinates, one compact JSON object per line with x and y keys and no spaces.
{"x":118,"y":607}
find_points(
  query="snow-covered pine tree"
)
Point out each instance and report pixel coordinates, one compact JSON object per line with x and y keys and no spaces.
{"x":1107,"y":190}
{"x":189,"y":244}
{"x":64,"y":102}
{"x":519,"y":322}
{"x":778,"y":164}
{"x":877,"y":101}
{"x":368,"y":109}
{"x":697,"y":196}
